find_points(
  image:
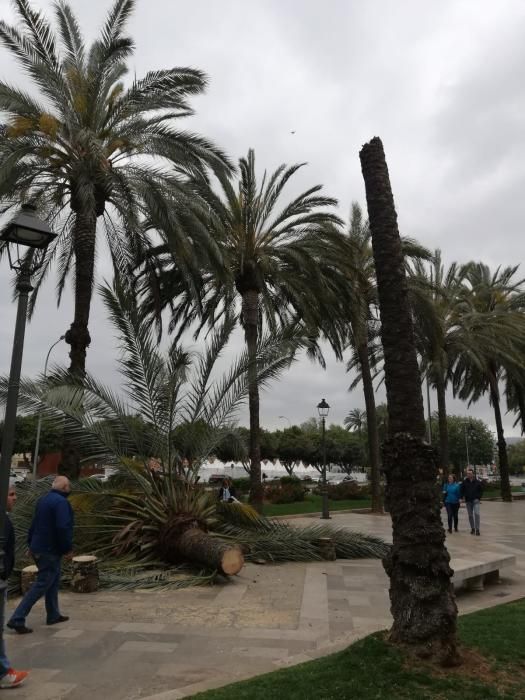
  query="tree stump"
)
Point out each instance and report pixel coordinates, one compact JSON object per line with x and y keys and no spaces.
{"x":84,"y":575}
{"x":326,"y":548}
{"x":28,"y":577}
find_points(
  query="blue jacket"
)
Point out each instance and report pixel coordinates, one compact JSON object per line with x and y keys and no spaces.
{"x":51,"y":531}
{"x":452,"y":492}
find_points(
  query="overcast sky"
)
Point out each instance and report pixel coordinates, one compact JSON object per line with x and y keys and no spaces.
{"x":441,"y":82}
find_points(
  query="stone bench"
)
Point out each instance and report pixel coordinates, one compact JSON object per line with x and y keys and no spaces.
{"x":474,"y":573}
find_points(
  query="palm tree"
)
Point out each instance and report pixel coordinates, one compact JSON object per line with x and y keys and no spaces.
{"x":276,"y":264}
{"x":421,"y":594}
{"x":89,"y":148}
{"x":363,"y":329}
{"x":497,"y":297}
{"x":436,"y":305}
{"x":355,"y":421}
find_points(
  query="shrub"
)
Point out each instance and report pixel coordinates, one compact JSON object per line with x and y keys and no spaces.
{"x":346,"y":490}
{"x":284,"y":493}
{"x":242,"y":485}
{"x":289,"y":479}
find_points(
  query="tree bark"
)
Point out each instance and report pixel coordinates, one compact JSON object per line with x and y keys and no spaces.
{"x":506,"y":492}
{"x":84,"y":239}
{"x":421,"y":594}
{"x":250,"y":314}
{"x":197,"y":546}
{"x":371,"y":426}
{"x":444,"y":458}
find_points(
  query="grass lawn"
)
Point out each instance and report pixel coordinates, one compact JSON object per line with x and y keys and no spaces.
{"x":313,"y":504}
{"x":371,"y":669}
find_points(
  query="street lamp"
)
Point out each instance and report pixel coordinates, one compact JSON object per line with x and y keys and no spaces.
{"x":26,"y":238}
{"x":39,"y":424}
{"x":323,"y":409}
{"x":467,"y":429}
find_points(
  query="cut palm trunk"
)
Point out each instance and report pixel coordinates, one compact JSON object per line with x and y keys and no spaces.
{"x":84,"y":574}
{"x":198,"y":547}
{"x":421,"y":594}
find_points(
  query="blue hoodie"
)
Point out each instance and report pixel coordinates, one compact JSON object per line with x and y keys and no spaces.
{"x":51,"y":531}
{"x":452,"y":492}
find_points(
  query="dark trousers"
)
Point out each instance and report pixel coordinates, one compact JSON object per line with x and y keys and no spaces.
{"x":452,"y":514}
{"x":46,"y":584}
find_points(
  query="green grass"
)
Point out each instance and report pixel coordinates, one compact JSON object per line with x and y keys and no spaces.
{"x":313,"y":504}
{"x":371,"y":669}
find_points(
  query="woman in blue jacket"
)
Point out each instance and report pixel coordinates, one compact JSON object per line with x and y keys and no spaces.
{"x":451,"y":496}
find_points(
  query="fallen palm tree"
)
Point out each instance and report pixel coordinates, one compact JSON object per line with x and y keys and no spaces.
{"x":152,"y":521}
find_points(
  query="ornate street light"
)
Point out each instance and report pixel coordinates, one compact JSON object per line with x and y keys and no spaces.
{"x":26,"y":238}
{"x":323,"y":409}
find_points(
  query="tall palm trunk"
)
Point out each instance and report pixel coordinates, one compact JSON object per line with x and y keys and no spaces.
{"x":506,"y":493}
{"x":444,"y":457}
{"x":421,"y":594}
{"x":250,"y":315}
{"x":84,"y":235}
{"x":371,"y":426}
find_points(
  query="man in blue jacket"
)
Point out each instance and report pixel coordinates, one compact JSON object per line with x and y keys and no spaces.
{"x":50,"y":538}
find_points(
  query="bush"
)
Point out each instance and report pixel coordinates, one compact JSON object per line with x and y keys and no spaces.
{"x":346,"y":490}
{"x":242,"y":485}
{"x":289,"y":479}
{"x":284,"y":493}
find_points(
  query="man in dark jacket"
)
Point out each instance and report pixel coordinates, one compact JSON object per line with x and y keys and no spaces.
{"x":50,"y":538}
{"x":471,"y":491}
{"x":9,"y":677}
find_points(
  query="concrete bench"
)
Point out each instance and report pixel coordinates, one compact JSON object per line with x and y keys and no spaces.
{"x":474,"y":573}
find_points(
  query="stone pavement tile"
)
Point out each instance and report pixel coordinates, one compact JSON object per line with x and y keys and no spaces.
{"x":140,"y":627}
{"x":47,"y":690}
{"x":68,"y":633}
{"x":260,"y":652}
{"x":143,"y":647}
{"x":231,"y":595}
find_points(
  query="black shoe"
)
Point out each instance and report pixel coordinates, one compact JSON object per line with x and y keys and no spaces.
{"x":450,"y":529}
{"x":477,"y":533}
{"x":19,"y":629}
{"x":455,"y":529}
{"x":472,"y":532}
{"x":62,"y":618}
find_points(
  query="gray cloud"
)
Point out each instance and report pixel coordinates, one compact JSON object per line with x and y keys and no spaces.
{"x":440,"y":82}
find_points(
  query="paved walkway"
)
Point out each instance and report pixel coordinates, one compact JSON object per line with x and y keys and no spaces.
{"x":169,"y":645}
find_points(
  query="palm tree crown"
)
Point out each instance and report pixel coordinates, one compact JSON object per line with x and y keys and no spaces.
{"x":89,"y":147}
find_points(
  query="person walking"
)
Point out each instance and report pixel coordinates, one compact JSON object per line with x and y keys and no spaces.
{"x":471,"y":491}
{"x":9,"y":677}
{"x":451,"y":497}
{"x":50,"y":538}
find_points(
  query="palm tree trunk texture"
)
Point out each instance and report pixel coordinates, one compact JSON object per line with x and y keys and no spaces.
{"x":197,"y":546}
{"x":506,"y":493}
{"x":77,"y":336}
{"x":371,"y":426}
{"x":250,"y":314}
{"x":444,"y":458}
{"x":421,"y":594}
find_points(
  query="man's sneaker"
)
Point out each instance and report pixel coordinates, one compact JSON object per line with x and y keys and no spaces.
{"x":472,"y":532}
{"x":13,"y":678}
{"x":477,"y":532}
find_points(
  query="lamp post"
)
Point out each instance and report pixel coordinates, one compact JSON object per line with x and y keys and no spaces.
{"x":39,"y":424}
{"x":467,"y":429}
{"x":26,"y":238}
{"x":323,"y":409}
